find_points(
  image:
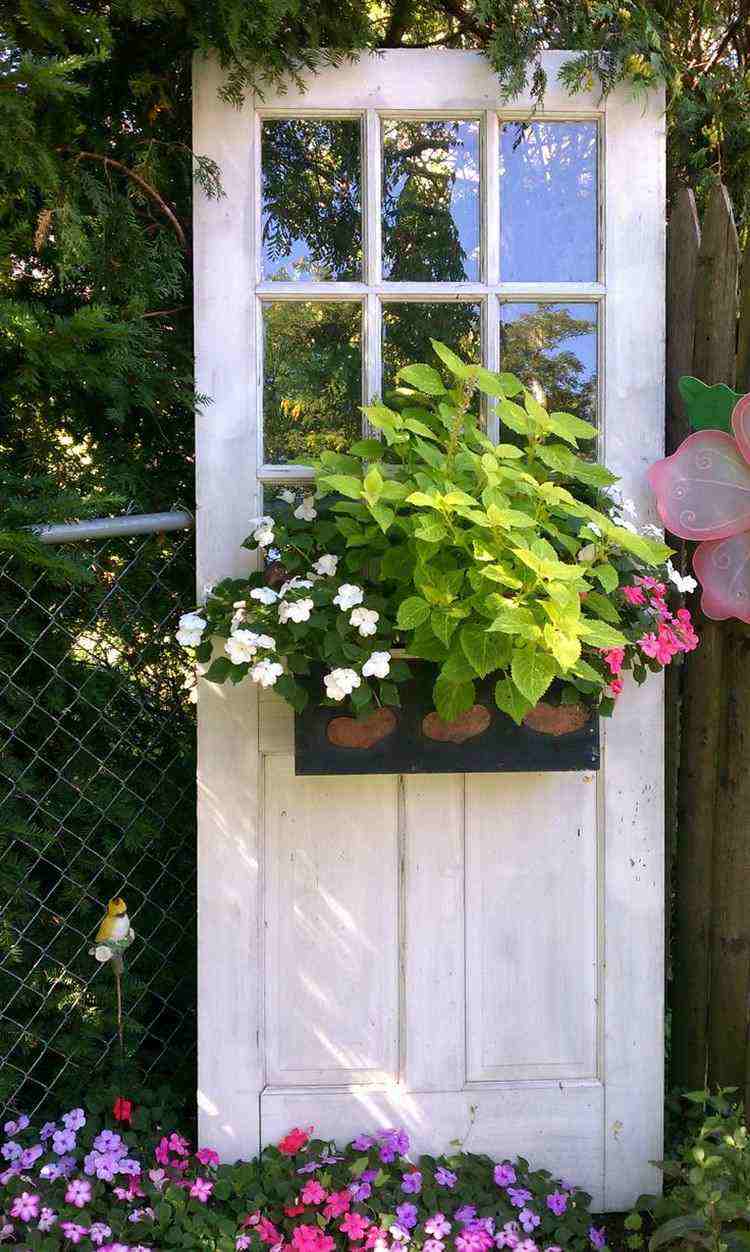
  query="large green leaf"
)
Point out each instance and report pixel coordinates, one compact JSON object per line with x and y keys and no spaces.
{"x":412,"y":612}
{"x":532,"y":671}
{"x":509,"y":699}
{"x":485,"y":650}
{"x":345,"y":484}
{"x":602,"y":606}
{"x":708,"y":408}
{"x":449,"y":358}
{"x":677,"y":1228}
{"x":569,"y":427}
{"x":600,"y":634}
{"x":424,"y":378}
{"x":452,"y":699}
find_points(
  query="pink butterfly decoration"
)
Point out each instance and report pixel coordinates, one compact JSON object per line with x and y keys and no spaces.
{"x":703,"y":493}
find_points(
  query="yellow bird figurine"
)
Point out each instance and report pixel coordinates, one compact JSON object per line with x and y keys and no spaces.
{"x":115,"y":933}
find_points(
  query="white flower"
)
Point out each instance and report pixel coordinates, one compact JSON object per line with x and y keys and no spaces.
{"x":238,"y":618}
{"x":654,"y":532}
{"x":265,"y":641}
{"x":191,"y":629}
{"x":266,"y":595}
{"x":273,"y":554}
{"x":377,"y":665}
{"x":287,"y":496}
{"x":263,"y":533}
{"x":102,"y":953}
{"x":365,"y":620}
{"x":208,"y":590}
{"x":241,"y":646}
{"x":628,"y":507}
{"x":296,"y":610}
{"x":326,"y":564}
{"x":587,"y":553}
{"x":341,"y":682}
{"x":266,"y":673}
{"x":348,"y":596}
{"x":292,"y":584}
{"x":595,"y":530}
{"x":305,"y":511}
{"x":683,"y":582}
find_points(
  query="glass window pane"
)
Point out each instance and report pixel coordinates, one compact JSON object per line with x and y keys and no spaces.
{"x":312,"y":378}
{"x":553,"y":348}
{"x":408,"y":328}
{"x":548,"y":202}
{"x":312,"y":217}
{"x":430,"y":201}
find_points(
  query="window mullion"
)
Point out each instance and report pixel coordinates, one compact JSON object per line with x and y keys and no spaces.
{"x":491,"y":359}
{"x":372,"y":355}
{"x":371,"y":199}
{"x":490,"y":189}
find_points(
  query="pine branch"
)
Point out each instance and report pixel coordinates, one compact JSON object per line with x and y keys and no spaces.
{"x":145,"y":187}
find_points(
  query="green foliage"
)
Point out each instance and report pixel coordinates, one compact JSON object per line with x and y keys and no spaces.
{"x":708,"y":408}
{"x":707,"y":1196}
{"x":484,"y":559}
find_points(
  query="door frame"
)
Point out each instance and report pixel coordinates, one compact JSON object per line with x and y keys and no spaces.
{"x":229,"y":492}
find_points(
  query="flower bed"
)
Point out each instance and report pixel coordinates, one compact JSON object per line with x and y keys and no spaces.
{"x":124,"y":1184}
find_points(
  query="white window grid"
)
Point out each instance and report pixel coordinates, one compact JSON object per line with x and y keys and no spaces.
{"x":372,"y":292}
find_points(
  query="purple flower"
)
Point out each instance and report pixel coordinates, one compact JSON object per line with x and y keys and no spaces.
{"x":362,"y":1143}
{"x":15,"y":1128}
{"x":508,"y":1236}
{"x":310,"y":1168}
{"x":473,"y":1241}
{"x":528,"y":1219}
{"x":411,"y":1183}
{"x":50,"y":1172}
{"x":360,"y":1191}
{"x":445,"y":1177}
{"x":437,"y":1226}
{"x":132,"y":1168}
{"x":504,"y":1175}
{"x":11,"y":1150}
{"x":73,"y":1231}
{"x":47,"y":1219}
{"x":99,"y":1232}
{"x":78,"y":1192}
{"x":25,"y":1206}
{"x":108,"y":1141}
{"x":598,"y":1237}
{"x":29,"y":1155}
{"x":63,"y":1141}
{"x":518,"y":1196}
{"x":393,"y":1143}
{"x":465,"y":1214}
{"x":48,"y":1129}
{"x":368,"y":1175}
{"x":407,"y":1215}
{"x":9,"y":1173}
{"x":557,"y":1203}
{"x":74,"y":1120}
{"x":433,"y":1245}
{"x":484,"y":1223}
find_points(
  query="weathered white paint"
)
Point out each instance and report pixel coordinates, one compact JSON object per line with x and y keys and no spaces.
{"x":475,"y":958}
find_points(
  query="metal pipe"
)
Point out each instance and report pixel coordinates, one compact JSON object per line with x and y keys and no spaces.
{"x":112,"y":527}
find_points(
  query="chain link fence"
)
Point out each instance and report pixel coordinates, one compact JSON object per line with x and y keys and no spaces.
{"x":97,"y":799}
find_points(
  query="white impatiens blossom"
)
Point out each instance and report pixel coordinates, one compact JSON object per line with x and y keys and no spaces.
{"x":305,"y":511}
{"x":294,"y":584}
{"x":266,"y":595}
{"x":266,"y":673}
{"x":326,"y":565}
{"x":683,"y":582}
{"x":287,"y":496}
{"x":263,"y":532}
{"x":366,"y":620}
{"x":273,"y":554}
{"x":242,"y":645}
{"x":239,"y":615}
{"x":348,"y":597}
{"x":191,"y":629}
{"x":341,"y":683}
{"x":377,"y":665}
{"x":296,"y":610}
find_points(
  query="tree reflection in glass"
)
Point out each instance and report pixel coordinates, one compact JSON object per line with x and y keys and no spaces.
{"x":430,"y":201}
{"x":312,"y":378}
{"x":408,"y":328}
{"x":548,"y":202}
{"x":553,"y":348}
{"x":312,"y":216}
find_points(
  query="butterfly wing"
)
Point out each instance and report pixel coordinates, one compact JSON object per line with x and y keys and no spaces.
{"x":723,"y":569}
{"x":703,"y":489}
{"x":741,"y":425}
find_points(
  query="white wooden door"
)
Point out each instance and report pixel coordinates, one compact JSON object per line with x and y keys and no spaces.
{"x":475,"y":958}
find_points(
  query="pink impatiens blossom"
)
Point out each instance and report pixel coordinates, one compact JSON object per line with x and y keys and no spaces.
{"x":201,"y":1189}
{"x":613,"y":659}
{"x":295,"y":1141}
{"x":354,"y":1225}
{"x":313,"y":1193}
{"x":73,"y":1231}
{"x":634,"y":595}
{"x":207,"y":1156}
{"x":437,"y":1225}
{"x":25,"y":1206}
{"x":339,"y":1202}
{"x":505,"y":1174}
{"x":615,"y":688}
{"x":78,"y":1192}
{"x":267,"y":1232}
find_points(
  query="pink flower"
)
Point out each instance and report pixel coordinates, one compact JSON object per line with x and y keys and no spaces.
{"x":161,"y":1151}
{"x":354,"y":1225}
{"x":433,"y":1245}
{"x":73,"y":1231}
{"x":613,"y":659}
{"x":207,"y":1156}
{"x":658,"y":647}
{"x":683,"y":626}
{"x":615,"y":687}
{"x":78,"y":1192}
{"x":294,"y":1141}
{"x":201,"y":1189}
{"x":374,"y":1235}
{"x":313,"y":1193}
{"x":339,"y":1203}
{"x":267,"y":1232}
{"x":437,"y":1226}
{"x":634,"y":595}
{"x":241,"y":1243}
{"x":178,"y":1143}
{"x":25,"y":1206}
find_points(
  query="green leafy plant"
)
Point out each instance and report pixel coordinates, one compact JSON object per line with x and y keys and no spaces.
{"x":707,"y":1200}
{"x":515,"y":560}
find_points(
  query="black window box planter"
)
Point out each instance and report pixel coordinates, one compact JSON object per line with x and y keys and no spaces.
{"x":413,"y":740}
